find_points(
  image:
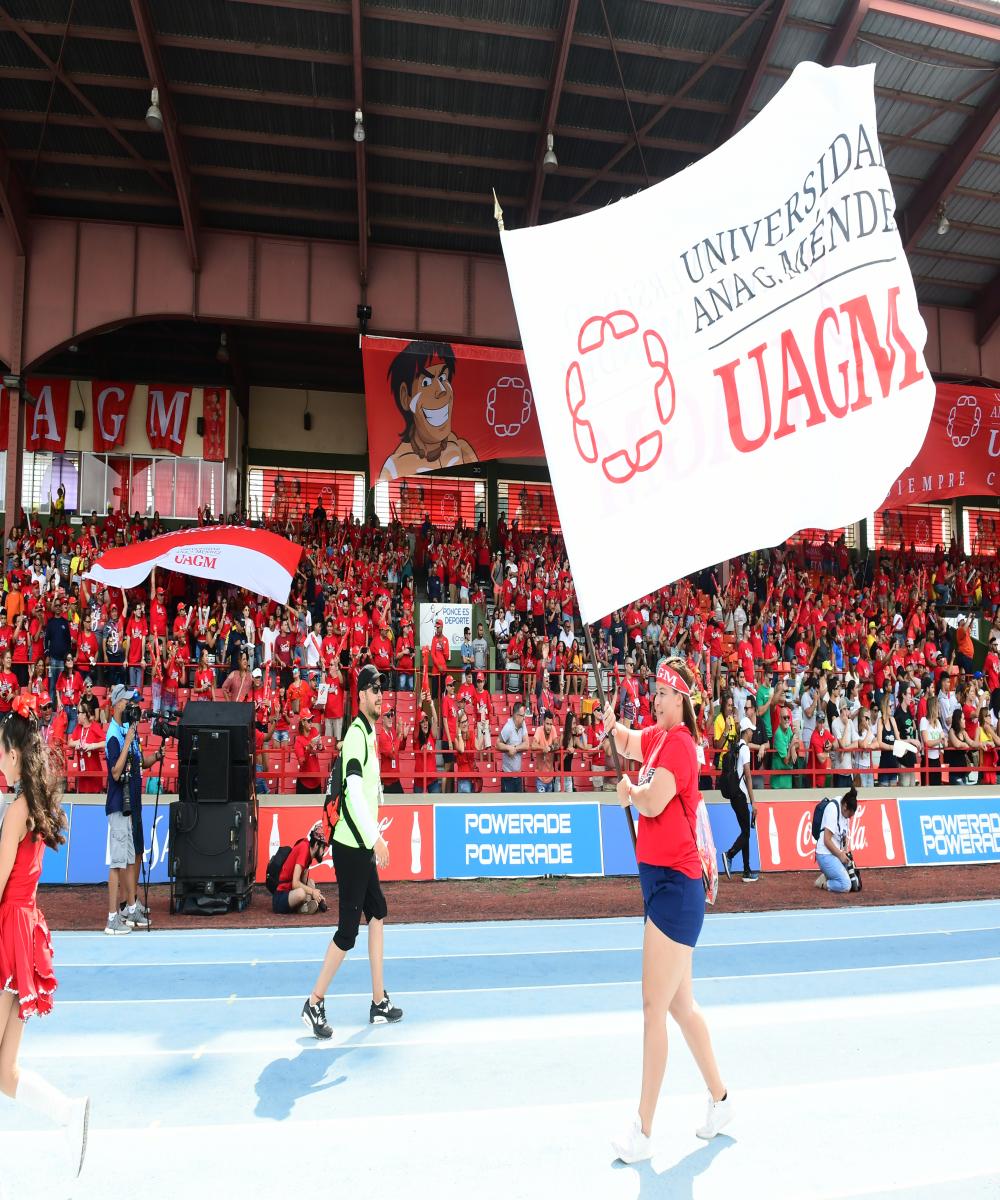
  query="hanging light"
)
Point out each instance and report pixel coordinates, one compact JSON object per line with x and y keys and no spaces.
{"x":943,"y":224}
{"x":154,"y":118}
{"x":222,"y":354}
{"x":550,"y":162}
{"x":359,"y":127}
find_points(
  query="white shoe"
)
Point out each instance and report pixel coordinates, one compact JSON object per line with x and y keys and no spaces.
{"x":820,"y":880}
{"x":76,"y":1134}
{"x":632,"y":1145}
{"x":117,"y":926}
{"x":719,"y":1114}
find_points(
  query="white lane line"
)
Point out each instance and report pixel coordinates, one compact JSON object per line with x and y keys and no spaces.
{"x":822,"y":915}
{"x":263,"y":962}
{"x":546,"y":987}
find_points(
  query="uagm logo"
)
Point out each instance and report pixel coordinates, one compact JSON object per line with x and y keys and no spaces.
{"x":207,"y":559}
{"x":508,"y":406}
{"x":964,"y":420}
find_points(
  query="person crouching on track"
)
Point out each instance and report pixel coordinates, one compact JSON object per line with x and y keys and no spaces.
{"x":831,"y":849}
{"x":666,"y":795}
{"x":358,"y":851}
{"x":294,"y":893}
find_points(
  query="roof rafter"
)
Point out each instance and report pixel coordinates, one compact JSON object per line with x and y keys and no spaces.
{"x":988,"y":311}
{"x":950,"y":168}
{"x":752,"y":76}
{"x":14,"y":202}
{"x":841,"y":37}
{"x":171,"y":132}
{"x":936,"y":18}
{"x":360,"y":161}
{"x":551,"y":109}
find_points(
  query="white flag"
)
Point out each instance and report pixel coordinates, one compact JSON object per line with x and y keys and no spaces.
{"x":731,"y":355}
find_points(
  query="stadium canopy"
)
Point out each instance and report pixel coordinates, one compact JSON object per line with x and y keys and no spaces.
{"x":260,"y":140}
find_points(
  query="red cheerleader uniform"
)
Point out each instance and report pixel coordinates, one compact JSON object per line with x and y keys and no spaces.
{"x":25,"y":943}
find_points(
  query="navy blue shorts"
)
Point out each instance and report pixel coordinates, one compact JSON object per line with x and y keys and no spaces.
{"x":674,"y":902}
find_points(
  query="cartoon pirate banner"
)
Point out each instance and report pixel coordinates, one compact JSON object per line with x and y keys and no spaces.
{"x":432,"y":405}
{"x":961,"y":452}
{"x":731,"y":355}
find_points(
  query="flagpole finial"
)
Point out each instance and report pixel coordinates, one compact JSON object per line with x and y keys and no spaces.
{"x":497,"y":211}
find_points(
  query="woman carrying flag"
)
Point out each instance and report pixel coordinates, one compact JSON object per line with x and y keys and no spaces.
{"x":670,"y":873}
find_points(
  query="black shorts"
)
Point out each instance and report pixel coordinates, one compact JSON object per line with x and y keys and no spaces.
{"x":279,"y":903}
{"x":359,"y":892}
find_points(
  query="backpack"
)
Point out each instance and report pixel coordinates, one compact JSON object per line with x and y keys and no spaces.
{"x":275,"y":866}
{"x":333,"y":806}
{"x":818,"y":812}
{"x":729,"y":780}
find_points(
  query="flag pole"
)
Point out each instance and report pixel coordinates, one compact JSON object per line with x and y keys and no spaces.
{"x":615,"y":760}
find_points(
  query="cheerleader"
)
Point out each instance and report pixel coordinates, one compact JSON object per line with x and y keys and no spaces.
{"x":666,"y":796}
{"x":33,"y":819}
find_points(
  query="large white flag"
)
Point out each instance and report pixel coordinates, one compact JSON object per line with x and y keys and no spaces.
{"x":731,"y":355}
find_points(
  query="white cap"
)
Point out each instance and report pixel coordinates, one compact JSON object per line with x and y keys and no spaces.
{"x":745,"y":724}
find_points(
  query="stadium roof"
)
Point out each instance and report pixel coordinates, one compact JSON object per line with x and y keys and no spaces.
{"x":259,"y":98}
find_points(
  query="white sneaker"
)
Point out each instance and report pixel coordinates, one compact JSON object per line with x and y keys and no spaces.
{"x":116,"y":926}
{"x":717,"y":1118}
{"x":76,"y":1134}
{"x":820,"y":880}
{"x":632,"y":1145}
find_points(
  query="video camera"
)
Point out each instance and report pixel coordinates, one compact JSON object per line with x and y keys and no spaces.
{"x":162,"y":724}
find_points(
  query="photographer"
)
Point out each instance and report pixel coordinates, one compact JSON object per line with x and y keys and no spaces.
{"x":123,"y":807}
{"x":294,"y":892}
{"x":831,"y":849}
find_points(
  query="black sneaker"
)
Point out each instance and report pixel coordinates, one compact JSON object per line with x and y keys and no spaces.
{"x":726,"y":864}
{"x":384,"y":1013}
{"x":314,"y":1018}
{"x":749,"y":878}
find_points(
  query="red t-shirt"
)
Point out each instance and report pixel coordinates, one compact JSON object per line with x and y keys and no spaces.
{"x":298,"y":857}
{"x":669,"y":840}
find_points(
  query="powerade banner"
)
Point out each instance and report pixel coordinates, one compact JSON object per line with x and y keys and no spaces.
{"x":941,"y":831}
{"x":506,"y":840}
{"x":960,"y":452}
{"x":787,"y":844}
{"x":432,"y":405}
{"x":89,"y":856}
{"x":619,"y":857}
{"x":408,"y":830}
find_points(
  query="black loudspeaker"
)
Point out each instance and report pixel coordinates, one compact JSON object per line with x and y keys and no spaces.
{"x":78,"y":419}
{"x":212,"y":715}
{"x":192,"y":784}
{"x":200,"y":426}
{"x":307,"y":422}
{"x":213,"y":841}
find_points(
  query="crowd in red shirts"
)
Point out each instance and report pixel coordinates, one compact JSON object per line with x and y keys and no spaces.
{"x":798,"y":628}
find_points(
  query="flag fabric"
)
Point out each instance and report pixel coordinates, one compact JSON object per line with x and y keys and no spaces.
{"x":255,"y":559}
{"x":731,"y":355}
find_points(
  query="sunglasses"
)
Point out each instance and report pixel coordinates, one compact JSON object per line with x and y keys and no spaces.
{"x":375,"y":687}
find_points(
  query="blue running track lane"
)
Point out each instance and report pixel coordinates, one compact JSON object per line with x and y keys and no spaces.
{"x":861,"y":1047}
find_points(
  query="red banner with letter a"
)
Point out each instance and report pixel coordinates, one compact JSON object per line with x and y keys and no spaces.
{"x":432,"y":405}
{"x":214,"y":412}
{"x":961,"y":452}
{"x":167,"y":410}
{"x":110,"y":403}
{"x":45,"y":421}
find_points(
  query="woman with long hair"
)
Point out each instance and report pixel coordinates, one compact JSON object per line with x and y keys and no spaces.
{"x":670,"y":873}
{"x":33,"y":821}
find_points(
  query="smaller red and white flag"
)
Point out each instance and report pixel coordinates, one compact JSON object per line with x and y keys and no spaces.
{"x":255,"y":559}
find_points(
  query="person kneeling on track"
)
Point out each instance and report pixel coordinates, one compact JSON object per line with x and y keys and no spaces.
{"x":831,"y":846}
{"x":295,"y":893}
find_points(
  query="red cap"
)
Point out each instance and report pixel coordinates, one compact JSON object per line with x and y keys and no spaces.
{"x":305,"y":714}
{"x":449,"y":679}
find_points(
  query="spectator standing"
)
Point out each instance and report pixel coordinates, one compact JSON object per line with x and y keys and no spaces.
{"x":440,"y":653}
{"x":390,"y":746}
{"x":512,"y":741}
{"x":744,"y":806}
{"x":58,"y":645}
{"x":544,"y":744}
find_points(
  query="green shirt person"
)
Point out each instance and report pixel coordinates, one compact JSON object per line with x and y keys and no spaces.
{"x":781,"y":741}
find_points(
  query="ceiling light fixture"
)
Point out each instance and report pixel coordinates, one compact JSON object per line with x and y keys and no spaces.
{"x":359,"y":126}
{"x":550,"y":162}
{"x":222,"y":354}
{"x":154,"y":118}
{"x":943,"y":224}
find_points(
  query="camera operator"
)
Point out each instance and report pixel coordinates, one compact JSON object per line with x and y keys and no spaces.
{"x":295,"y":893}
{"x":123,"y":807}
{"x":831,"y":849}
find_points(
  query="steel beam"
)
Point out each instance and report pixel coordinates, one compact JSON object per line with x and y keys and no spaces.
{"x":753,"y":75}
{"x":360,"y":159}
{"x":988,"y":311}
{"x":841,"y":39}
{"x":171,"y":133}
{"x":937,"y":19}
{"x":551,"y":108}
{"x":951,"y":166}
{"x":13,"y":202}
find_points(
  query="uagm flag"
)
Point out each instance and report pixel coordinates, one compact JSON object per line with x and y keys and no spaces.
{"x":254,"y":559}
{"x":731,"y":355}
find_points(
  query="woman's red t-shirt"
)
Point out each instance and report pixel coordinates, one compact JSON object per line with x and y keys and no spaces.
{"x":669,"y":840}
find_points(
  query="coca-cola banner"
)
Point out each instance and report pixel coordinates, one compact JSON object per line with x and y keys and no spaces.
{"x":110,"y":403}
{"x":784,"y":830}
{"x":46,"y":415}
{"x":431,"y":405}
{"x":961,"y":451}
{"x":167,"y":410}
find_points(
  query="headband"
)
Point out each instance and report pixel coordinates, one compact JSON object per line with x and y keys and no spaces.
{"x":671,"y":678}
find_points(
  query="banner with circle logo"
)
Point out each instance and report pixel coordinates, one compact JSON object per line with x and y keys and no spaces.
{"x":961,"y":452}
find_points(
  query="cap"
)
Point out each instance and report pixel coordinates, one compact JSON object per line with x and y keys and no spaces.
{"x":439,"y":621}
{"x":257,"y":673}
{"x":318,"y":834}
{"x":745,"y":724}
{"x":45,"y":700}
{"x":305,"y":714}
{"x":480,"y":677}
{"x":212,"y":622}
{"x":121,"y":692}
{"x":388,"y":712}
{"x":368,"y":677}
{"x":449,"y":679}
